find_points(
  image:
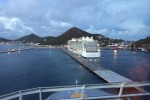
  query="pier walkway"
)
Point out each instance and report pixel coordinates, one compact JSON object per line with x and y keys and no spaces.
{"x":97,"y":69}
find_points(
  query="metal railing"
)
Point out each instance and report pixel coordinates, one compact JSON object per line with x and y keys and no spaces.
{"x":119,"y":92}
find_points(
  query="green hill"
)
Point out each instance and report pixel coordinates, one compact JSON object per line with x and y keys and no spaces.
{"x":4,"y":40}
{"x":46,"y":40}
{"x":30,"y":38}
{"x":63,"y":38}
{"x":59,"y":40}
{"x":77,"y":33}
{"x":142,"y":42}
{"x":69,"y":34}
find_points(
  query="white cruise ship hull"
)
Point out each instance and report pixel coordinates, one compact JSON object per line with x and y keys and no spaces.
{"x":91,"y":54}
{"x":86,"y":54}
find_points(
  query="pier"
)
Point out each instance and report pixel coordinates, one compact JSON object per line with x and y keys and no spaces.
{"x":108,"y":75}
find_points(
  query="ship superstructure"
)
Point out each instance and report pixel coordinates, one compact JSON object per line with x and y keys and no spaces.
{"x":85,"y":46}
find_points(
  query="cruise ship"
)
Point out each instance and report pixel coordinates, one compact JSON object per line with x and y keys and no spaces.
{"x":85,"y":47}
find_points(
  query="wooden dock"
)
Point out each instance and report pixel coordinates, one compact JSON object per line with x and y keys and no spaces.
{"x":97,"y":69}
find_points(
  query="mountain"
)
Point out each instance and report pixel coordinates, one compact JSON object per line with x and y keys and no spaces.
{"x":4,"y":40}
{"x":69,"y":34}
{"x":48,"y":37}
{"x":46,"y":40}
{"x":59,"y":40}
{"x":30,"y":38}
{"x":63,"y":38}
{"x":142,"y":42}
{"x":77,"y":33}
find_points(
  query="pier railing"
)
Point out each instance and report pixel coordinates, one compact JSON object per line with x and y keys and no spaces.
{"x":114,"y":90}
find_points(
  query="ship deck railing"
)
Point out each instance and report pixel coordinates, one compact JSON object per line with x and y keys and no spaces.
{"x":115,"y":90}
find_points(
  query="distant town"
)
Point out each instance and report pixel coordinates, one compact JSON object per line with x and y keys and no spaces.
{"x":61,"y":40}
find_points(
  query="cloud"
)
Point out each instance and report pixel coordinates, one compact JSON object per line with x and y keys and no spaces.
{"x":128,"y":31}
{"x":134,"y":26}
{"x":14,"y":25}
{"x":60,"y":24}
{"x":122,"y":18}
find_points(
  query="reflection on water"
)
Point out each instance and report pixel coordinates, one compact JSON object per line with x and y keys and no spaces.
{"x":140,"y":71}
{"x":115,"y":56}
{"x":115,"y":53}
{"x":133,"y":65}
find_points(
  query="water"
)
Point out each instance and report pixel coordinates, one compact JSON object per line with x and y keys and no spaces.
{"x":133,"y":65}
{"x":52,"y":67}
{"x":41,"y":68}
{"x":10,"y":46}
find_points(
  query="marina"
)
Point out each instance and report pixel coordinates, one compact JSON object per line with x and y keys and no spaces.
{"x":14,"y":50}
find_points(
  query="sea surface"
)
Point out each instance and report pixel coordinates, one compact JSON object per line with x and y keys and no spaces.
{"x":41,"y":68}
{"x":52,"y":67}
{"x":133,"y":65}
{"x":4,"y":47}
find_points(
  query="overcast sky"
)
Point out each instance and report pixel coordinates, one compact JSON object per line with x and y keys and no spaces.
{"x":125,"y":19}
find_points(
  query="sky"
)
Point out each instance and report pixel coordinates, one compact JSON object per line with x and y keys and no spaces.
{"x":120,"y":19}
